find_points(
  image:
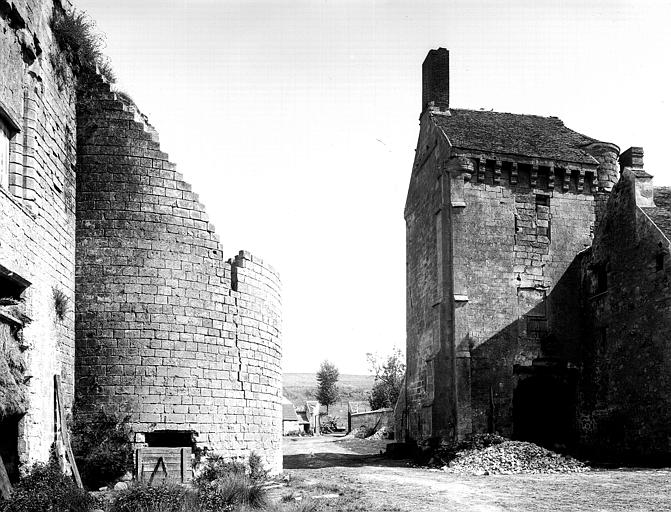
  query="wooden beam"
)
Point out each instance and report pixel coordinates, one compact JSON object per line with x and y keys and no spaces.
{"x":65,"y":437}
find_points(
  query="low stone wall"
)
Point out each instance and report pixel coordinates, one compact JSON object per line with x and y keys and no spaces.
{"x":372,"y":419}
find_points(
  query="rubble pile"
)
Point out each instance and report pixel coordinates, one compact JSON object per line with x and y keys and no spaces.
{"x":382,"y":433}
{"x":510,"y":457}
{"x":360,"y":432}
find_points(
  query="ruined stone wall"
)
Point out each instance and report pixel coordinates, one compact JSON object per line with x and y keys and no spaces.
{"x":168,"y":331}
{"x":625,"y":406}
{"x":37,"y":221}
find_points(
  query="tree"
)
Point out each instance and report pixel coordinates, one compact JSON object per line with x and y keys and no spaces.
{"x":389,"y":373}
{"x":327,"y":389}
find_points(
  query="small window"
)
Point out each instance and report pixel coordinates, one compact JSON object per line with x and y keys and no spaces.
{"x":659,"y":261}
{"x":5,"y":135}
{"x":542,"y":200}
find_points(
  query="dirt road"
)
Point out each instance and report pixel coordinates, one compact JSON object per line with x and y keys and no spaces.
{"x":366,"y":481}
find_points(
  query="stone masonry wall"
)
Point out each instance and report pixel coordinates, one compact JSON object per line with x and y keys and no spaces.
{"x":37,"y":221}
{"x":415,"y":410}
{"x":625,"y":407}
{"x":514,"y":242}
{"x":168,"y":331}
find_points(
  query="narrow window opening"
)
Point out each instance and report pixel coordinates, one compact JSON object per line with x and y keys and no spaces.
{"x":659,"y":261}
{"x":543,"y":221}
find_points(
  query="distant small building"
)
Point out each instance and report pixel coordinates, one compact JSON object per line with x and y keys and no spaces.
{"x":290,"y":421}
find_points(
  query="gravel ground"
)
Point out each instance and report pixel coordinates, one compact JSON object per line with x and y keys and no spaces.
{"x":365,"y":481}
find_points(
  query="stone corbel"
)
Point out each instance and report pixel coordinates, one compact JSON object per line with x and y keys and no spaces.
{"x":497,"y":172}
{"x":581,"y":180}
{"x":534,"y":175}
{"x":460,"y":170}
{"x":567,"y":179}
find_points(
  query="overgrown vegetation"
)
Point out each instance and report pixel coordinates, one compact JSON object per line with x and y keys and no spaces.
{"x":389,"y":373}
{"x":159,"y":498}
{"x":327,"y":384}
{"x":328,"y":424}
{"x":102,"y":447}
{"x":230,"y":491}
{"x":216,"y":467}
{"x":46,"y":489}
{"x":80,"y":43}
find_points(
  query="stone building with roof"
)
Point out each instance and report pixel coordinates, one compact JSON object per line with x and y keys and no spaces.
{"x":521,"y":238}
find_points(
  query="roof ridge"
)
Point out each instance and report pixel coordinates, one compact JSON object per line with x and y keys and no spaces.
{"x":492,"y":111}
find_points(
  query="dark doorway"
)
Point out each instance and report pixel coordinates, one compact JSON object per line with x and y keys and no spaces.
{"x":170,"y":438}
{"x":9,"y":446}
{"x":544,"y":409}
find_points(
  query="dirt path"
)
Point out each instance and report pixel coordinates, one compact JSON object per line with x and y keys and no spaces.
{"x":355,"y":468}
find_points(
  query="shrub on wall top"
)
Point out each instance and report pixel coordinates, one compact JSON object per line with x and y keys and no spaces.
{"x":82,"y":45}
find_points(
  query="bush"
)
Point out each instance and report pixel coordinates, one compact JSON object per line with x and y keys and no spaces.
{"x":102,"y":448}
{"x":229,"y":491}
{"x":46,"y":489}
{"x":81,"y":44}
{"x":160,"y":498}
{"x":328,"y":424}
{"x":216,"y":467}
{"x":257,"y":472}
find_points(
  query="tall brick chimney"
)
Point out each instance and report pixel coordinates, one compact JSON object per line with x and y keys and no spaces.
{"x":632,"y":160}
{"x":436,"y":80}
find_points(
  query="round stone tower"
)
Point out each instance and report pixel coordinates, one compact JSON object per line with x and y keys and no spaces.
{"x":167,"y":331}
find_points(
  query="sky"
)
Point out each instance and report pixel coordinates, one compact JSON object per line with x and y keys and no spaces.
{"x":296,"y":123}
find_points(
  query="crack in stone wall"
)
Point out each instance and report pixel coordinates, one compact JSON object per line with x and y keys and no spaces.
{"x":167,"y":330}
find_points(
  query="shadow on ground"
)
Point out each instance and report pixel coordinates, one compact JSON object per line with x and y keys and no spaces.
{"x":346,"y":460}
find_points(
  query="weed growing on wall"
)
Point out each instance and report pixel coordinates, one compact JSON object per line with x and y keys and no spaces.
{"x":61,"y":304}
{"x":80,"y":43}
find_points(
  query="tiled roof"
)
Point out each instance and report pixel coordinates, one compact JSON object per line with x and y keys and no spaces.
{"x":661,"y":213}
{"x":289,"y":413}
{"x":514,"y":134}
